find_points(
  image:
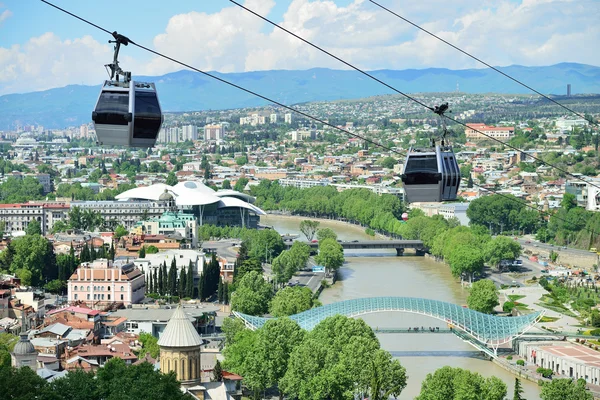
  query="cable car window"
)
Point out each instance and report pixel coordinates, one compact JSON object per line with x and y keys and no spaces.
{"x":147,"y":115}
{"x":421,"y":164}
{"x":112,"y":108}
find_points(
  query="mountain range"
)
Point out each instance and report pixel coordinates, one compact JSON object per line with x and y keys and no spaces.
{"x":191,"y":91}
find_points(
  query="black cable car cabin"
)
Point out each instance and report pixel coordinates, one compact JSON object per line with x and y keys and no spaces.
{"x":431,"y":175}
{"x":127,"y":114}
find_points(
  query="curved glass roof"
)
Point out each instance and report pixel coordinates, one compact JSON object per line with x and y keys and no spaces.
{"x":488,"y":329}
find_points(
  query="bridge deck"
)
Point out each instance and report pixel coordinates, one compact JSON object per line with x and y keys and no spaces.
{"x":373,"y":244}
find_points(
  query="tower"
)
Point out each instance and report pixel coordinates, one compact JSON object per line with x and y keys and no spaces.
{"x":180,"y":349}
{"x":568,"y":90}
{"x":24,"y":354}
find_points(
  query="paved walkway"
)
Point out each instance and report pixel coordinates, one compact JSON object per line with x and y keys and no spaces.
{"x":533,"y":294}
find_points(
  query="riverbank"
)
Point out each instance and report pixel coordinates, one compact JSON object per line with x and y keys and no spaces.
{"x":349,"y":225}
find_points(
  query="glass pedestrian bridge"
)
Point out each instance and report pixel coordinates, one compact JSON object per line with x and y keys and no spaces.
{"x":489,"y":330}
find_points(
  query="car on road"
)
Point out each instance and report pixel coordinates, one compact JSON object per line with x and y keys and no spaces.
{"x":528,"y":241}
{"x":355,"y":241}
{"x":314,"y":241}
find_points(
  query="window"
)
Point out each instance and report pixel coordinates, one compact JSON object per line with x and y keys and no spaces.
{"x":75,"y":288}
{"x":95,"y":296}
{"x":75,"y":296}
{"x":122,"y":289}
{"x":121,"y":297}
{"x":102,"y":296}
{"x":88,"y":296}
{"x":109,"y":297}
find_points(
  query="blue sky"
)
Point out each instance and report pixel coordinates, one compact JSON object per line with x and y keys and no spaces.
{"x":41,"y":47}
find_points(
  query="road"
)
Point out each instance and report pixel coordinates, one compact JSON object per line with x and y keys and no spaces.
{"x":533,"y":244}
{"x":226,"y":248}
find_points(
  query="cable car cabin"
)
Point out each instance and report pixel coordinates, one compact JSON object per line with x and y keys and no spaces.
{"x":430,"y":175}
{"x":127,"y":114}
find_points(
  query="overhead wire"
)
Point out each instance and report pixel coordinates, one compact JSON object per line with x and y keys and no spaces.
{"x":564,"y":171}
{"x":481,"y":61}
{"x":511,"y":198}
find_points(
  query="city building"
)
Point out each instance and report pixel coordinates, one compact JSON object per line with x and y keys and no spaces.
{"x":214,"y":132}
{"x":126,"y":213}
{"x":189,"y":132}
{"x":154,"y":319}
{"x":223,"y":207}
{"x":103,"y":283}
{"x":566,"y":125}
{"x":303,"y":183}
{"x":24,"y":354}
{"x":287,"y":118}
{"x":17,"y":216}
{"x":565,"y":359}
{"x":580,"y":190}
{"x":171,"y":223}
{"x":273,"y":118}
{"x":180,"y":349}
{"x":183,"y":259}
{"x":496,"y":132}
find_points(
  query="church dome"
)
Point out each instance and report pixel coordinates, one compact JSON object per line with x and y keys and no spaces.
{"x":179,"y":332}
{"x":24,"y":346}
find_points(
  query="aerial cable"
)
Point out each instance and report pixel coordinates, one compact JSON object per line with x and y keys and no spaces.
{"x":482,"y":62}
{"x":564,"y":171}
{"x":514,"y":199}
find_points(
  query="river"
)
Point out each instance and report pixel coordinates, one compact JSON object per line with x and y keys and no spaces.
{"x":372,"y":273}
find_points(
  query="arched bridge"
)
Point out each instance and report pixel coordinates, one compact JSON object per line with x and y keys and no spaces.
{"x":484,"y":329}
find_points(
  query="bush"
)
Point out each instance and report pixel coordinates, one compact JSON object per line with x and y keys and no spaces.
{"x":508,"y":306}
{"x":595,"y":332}
{"x":521,"y":363}
{"x":370,"y":232}
{"x":509,"y":358}
{"x":545,"y":372}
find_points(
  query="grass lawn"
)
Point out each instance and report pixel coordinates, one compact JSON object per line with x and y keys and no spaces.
{"x":515,"y":297}
{"x":558,"y":309}
{"x":548,"y":319}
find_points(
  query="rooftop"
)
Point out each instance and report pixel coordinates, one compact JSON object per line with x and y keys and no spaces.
{"x":179,"y":332}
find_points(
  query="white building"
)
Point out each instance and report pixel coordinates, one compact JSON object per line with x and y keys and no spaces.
{"x":18,"y":216}
{"x":566,"y":125}
{"x":273,"y":118}
{"x":126,"y":213}
{"x":189,"y":132}
{"x":287,"y":118}
{"x":303,"y":183}
{"x":565,"y":359}
{"x":182,"y":258}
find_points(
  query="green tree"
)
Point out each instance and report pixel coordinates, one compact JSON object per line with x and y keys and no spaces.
{"x":231,"y":327}
{"x":252,"y":295}
{"x":217,"y":372}
{"x":241,"y":160}
{"x":291,"y":300}
{"x":388,"y":162}
{"x":142,"y":252}
{"x":331,"y":254}
{"x":149,"y":345}
{"x":7,"y":343}
{"x":562,"y":389}
{"x":338,"y":358}
{"x":34,"y":259}
{"x":55,"y":286}
{"x":33,"y":228}
{"x":501,"y":248}
{"x":517,"y":395}
{"x":241,"y":184}
{"x":76,"y":385}
{"x":483,"y":296}
{"x":171,"y":179}
{"x":326,"y":233}
{"x":151,"y":249}
{"x":309,"y":228}
{"x":456,"y":383}
{"x":120,"y":231}
{"x":226,"y":184}
{"x":568,"y":201}
{"x":21,"y":384}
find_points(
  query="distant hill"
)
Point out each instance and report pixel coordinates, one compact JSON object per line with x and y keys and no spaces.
{"x":188,"y":90}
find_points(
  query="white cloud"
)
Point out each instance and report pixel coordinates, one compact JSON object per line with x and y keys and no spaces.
{"x":46,"y":61}
{"x":4,"y":15}
{"x":533,"y":32}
